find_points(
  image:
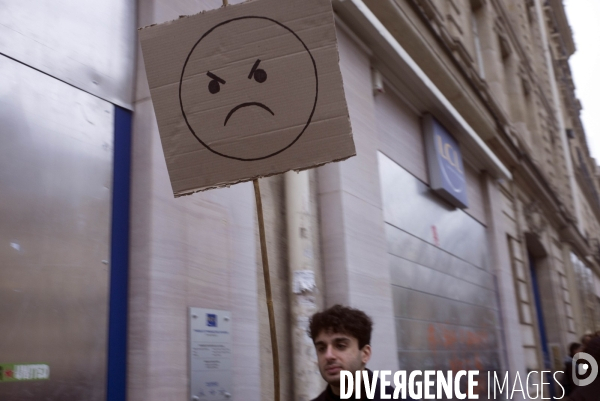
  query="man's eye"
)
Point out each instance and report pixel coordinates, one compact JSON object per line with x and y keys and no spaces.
{"x":342,"y":346}
{"x":214,"y":87}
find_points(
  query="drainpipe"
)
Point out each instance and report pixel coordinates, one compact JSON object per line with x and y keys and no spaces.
{"x":303,"y":271}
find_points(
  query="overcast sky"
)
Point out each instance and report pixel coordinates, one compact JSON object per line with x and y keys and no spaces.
{"x":584,"y":18}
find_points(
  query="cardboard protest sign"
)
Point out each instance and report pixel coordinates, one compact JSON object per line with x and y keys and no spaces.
{"x":246,"y":91}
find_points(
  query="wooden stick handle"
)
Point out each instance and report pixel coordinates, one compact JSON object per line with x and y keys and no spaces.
{"x":265,"y":261}
{"x":225,"y":2}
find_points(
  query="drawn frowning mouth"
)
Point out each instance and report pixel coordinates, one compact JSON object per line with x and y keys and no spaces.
{"x":239,"y":106}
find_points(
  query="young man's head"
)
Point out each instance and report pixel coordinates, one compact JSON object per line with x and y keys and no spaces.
{"x":586,"y":338}
{"x":342,"y":338}
{"x":592,"y":347}
{"x":573,"y":349}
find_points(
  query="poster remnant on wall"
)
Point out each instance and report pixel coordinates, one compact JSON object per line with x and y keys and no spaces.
{"x":16,"y":372}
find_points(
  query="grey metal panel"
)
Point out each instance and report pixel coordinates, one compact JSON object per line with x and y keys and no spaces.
{"x":445,"y":298}
{"x":405,"y":273}
{"x":410,"y":205}
{"x":56,"y":150}
{"x":419,"y":335}
{"x":89,"y":44}
{"x":410,"y":304}
{"x":407,"y":246}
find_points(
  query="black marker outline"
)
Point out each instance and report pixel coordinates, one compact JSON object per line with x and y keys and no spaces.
{"x":239,"y":106}
{"x":254,"y":67}
{"x":214,"y":77}
{"x":311,"y":113}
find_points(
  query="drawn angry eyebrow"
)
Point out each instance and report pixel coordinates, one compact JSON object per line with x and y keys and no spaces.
{"x":213,"y":76}
{"x":254,"y":67}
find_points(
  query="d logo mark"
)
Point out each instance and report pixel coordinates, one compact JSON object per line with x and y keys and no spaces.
{"x":583,"y":367}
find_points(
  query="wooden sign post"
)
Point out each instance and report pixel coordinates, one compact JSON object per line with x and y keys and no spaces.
{"x":248,"y":91}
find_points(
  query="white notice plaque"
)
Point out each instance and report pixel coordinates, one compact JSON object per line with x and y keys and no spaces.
{"x":210,"y":354}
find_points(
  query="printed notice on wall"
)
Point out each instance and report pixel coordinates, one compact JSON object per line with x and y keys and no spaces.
{"x":210,"y":354}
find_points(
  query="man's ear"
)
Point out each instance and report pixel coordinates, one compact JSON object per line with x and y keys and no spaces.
{"x":365,"y":354}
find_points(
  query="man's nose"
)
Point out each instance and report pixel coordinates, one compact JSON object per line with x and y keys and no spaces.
{"x":329,"y":354}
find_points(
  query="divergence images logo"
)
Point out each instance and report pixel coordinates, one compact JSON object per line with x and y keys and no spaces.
{"x":211,"y":320}
{"x":583,"y":367}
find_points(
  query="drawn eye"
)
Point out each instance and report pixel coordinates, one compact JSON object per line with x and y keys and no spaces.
{"x":214,"y":87}
{"x":260,"y":76}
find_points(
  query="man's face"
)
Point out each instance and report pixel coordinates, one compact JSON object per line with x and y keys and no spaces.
{"x":336,"y":352}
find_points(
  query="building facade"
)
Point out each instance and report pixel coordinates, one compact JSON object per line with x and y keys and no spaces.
{"x":503,"y":284}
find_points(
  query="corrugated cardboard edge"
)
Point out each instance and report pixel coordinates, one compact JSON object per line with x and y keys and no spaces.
{"x":228,"y":184}
{"x":192,"y":15}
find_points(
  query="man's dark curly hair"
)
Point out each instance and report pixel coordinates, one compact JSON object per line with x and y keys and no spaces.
{"x":342,"y":320}
{"x":593,"y":347}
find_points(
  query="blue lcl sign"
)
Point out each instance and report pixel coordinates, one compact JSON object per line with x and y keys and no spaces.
{"x":446,"y":169}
